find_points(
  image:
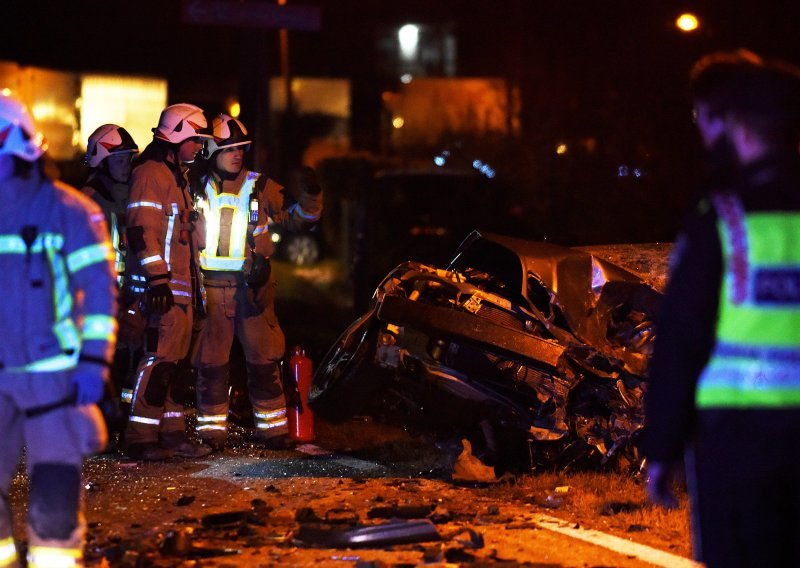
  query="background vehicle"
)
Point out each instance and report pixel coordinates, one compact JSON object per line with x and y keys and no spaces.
{"x":535,"y":352}
{"x":300,"y":248}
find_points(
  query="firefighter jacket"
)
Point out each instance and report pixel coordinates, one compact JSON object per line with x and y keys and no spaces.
{"x":756,"y":358}
{"x":737,"y":265}
{"x":112,"y":197}
{"x":59,"y":295}
{"x":165,"y":233}
{"x":237,"y":214}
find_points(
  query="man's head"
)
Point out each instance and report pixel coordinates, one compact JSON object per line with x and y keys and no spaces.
{"x":746,"y":103}
{"x":185,"y":127}
{"x":21,"y":144}
{"x":228,"y":146}
{"x":111,"y":150}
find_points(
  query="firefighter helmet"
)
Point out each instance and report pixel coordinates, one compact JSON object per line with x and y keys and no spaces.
{"x":18,"y":134}
{"x":180,"y":122}
{"x":108,"y":140}
{"x":228,"y":132}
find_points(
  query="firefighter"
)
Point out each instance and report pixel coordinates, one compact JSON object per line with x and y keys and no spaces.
{"x":164,"y":236}
{"x":57,"y":310}
{"x":237,"y":205}
{"x":725,"y":374}
{"x":109,"y":156}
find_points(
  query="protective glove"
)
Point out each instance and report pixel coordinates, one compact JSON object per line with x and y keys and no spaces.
{"x":658,"y":485}
{"x":160,"y":299}
{"x":89,"y":379}
{"x":307,"y":190}
{"x":260,"y":270}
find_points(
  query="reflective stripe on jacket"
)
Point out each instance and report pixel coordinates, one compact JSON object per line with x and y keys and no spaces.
{"x":227,"y":217}
{"x":274,"y":206}
{"x":112,"y":198}
{"x":57,"y":277}
{"x":160,"y":233}
{"x":756,"y":358}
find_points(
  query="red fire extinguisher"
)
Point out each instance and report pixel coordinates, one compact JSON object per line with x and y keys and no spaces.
{"x":298,"y":414}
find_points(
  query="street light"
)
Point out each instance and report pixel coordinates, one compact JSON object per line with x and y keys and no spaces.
{"x":408,"y":36}
{"x":687,"y":22}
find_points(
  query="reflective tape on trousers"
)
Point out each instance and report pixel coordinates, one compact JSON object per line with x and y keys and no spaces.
{"x":53,"y":557}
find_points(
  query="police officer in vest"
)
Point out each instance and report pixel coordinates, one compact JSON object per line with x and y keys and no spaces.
{"x":237,"y":205}
{"x":725,"y":374}
{"x":57,"y":309}
{"x":165,"y":235}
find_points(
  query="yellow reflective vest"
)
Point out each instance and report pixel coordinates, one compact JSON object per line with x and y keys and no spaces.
{"x":756,"y":359}
{"x":227,"y":218}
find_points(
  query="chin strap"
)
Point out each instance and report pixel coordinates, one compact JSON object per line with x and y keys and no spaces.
{"x":226,"y":176}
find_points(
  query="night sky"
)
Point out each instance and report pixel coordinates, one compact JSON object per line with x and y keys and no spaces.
{"x":612,"y":70}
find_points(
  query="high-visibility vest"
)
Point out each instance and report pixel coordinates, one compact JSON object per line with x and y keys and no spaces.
{"x":119,"y":254}
{"x":756,"y":359}
{"x":227,"y":217}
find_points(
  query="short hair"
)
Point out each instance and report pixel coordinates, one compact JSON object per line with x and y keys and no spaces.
{"x":763,"y":94}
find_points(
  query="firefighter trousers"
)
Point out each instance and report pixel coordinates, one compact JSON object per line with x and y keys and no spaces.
{"x":57,"y":438}
{"x":157,"y":405}
{"x":234,"y":310}
{"x":743,"y":472}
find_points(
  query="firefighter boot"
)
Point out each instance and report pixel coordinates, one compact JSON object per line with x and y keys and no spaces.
{"x":181,"y":446}
{"x":147,"y":452}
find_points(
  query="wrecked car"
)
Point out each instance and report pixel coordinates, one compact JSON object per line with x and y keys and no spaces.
{"x":536,"y":353}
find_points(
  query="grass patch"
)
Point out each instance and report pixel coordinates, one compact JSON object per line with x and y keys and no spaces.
{"x":610,"y":503}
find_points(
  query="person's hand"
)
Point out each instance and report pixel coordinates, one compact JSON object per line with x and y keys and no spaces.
{"x":160,"y":299}
{"x":89,"y":379}
{"x":260,"y":270}
{"x":659,"y":484}
{"x":307,"y":190}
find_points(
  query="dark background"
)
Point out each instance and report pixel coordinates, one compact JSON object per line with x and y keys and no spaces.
{"x":614,"y":71}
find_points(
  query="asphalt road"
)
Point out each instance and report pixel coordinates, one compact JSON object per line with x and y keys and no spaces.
{"x":252,"y":507}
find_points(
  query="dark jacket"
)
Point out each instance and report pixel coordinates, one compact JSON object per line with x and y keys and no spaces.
{"x":687,"y":323}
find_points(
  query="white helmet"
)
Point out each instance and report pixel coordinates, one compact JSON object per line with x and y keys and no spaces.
{"x":181,"y":121}
{"x":228,"y":132}
{"x":18,"y":134}
{"x":106,"y":141}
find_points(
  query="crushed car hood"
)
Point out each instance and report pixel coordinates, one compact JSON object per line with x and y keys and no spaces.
{"x":597,"y":302}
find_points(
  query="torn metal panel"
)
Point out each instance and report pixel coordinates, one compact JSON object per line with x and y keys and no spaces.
{"x":545,"y":347}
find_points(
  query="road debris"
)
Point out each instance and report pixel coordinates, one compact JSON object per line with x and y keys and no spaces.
{"x":372,"y":536}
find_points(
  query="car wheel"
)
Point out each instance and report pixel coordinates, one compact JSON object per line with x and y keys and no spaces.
{"x":346,"y":378}
{"x":302,"y":250}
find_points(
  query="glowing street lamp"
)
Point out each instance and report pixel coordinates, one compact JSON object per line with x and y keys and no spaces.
{"x":687,"y":22}
{"x":408,"y":36}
